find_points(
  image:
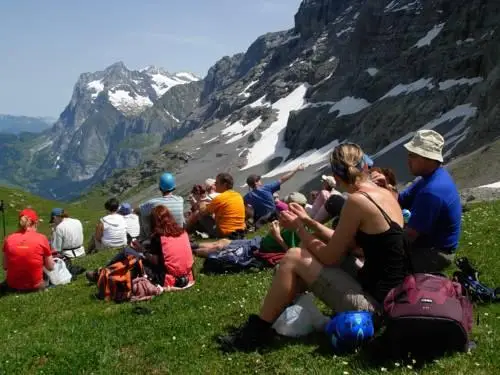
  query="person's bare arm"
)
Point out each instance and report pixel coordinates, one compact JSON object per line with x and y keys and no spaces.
{"x":276,"y":233}
{"x":99,"y":231}
{"x":48,"y":263}
{"x":320,"y":231}
{"x":290,"y":174}
{"x":339,"y":244}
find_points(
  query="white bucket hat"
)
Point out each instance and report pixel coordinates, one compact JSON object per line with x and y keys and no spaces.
{"x":329,"y":180}
{"x":428,"y":144}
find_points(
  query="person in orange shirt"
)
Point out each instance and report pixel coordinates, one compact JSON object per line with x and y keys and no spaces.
{"x":25,"y":253}
{"x":227,"y":207}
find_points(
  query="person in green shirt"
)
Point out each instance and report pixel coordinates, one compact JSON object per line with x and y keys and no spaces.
{"x":278,"y":240}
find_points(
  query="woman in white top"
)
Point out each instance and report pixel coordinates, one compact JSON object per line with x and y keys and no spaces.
{"x":111,"y":231}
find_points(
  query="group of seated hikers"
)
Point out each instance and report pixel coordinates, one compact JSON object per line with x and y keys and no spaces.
{"x":350,"y":265}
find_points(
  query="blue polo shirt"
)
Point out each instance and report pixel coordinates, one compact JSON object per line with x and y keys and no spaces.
{"x":436,"y":211}
{"x":261,"y":199}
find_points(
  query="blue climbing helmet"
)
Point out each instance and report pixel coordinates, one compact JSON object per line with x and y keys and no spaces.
{"x":167,"y":182}
{"x":349,"y":330}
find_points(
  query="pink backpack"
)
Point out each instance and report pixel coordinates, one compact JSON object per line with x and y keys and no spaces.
{"x":427,"y":314}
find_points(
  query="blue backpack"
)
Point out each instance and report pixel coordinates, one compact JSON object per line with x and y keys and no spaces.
{"x":468,"y":277}
{"x":234,"y":258}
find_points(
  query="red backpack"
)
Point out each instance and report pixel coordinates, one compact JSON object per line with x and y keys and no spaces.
{"x":427,"y":315}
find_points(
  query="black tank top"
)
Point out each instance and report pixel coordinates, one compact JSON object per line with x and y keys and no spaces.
{"x":386,"y":263}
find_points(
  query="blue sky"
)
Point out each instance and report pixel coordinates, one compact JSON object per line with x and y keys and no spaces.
{"x":45,"y":45}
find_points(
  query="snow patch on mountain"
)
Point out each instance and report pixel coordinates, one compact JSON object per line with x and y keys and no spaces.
{"x":172,"y":116}
{"x":272,"y":143}
{"x":494,"y":185}
{"x":465,"y":111}
{"x":186,"y":76}
{"x":308,"y":158}
{"x":163,"y":83}
{"x":239,"y":131}
{"x":429,"y":37}
{"x":405,"y":89}
{"x":97,"y":86}
{"x":449,"y":83}
{"x":127,"y":103}
{"x":349,"y":105}
{"x":244,"y":92}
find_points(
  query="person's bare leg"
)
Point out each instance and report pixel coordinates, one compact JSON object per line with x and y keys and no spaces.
{"x":211,"y":247}
{"x":297,"y":269}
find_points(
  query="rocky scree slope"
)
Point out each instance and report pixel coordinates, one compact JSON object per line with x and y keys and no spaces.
{"x":368,"y":71}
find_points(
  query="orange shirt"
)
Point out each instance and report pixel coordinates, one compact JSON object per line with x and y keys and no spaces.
{"x":24,"y":254}
{"x":229,"y":211}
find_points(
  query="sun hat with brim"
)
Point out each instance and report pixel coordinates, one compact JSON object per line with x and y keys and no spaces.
{"x":296,"y":197}
{"x":30,"y":214}
{"x":329,"y":180}
{"x":428,"y":144}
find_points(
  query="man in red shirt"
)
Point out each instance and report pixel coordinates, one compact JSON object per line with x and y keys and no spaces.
{"x":25,"y":253}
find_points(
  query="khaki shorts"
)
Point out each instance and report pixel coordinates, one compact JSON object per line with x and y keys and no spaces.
{"x":338,"y":288}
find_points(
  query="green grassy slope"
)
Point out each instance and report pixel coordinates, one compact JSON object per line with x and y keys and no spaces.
{"x":66,"y":331}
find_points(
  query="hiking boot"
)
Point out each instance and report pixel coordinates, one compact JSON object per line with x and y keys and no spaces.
{"x":92,"y":276}
{"x":254,"y":334}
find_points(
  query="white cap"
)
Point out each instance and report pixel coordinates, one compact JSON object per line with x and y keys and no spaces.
{"x":209,"y":182}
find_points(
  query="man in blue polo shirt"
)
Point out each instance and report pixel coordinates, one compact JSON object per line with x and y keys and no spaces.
{"x":260,"y":198}
{"x":434,"y":202}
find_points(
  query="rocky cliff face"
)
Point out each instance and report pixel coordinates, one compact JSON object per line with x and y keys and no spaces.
{"x":368,"y":71}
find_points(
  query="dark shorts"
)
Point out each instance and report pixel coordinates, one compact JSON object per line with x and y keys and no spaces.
{"x":430,"y":260}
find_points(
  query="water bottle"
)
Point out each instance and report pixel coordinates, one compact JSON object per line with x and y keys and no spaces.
{"x":406,"y":215}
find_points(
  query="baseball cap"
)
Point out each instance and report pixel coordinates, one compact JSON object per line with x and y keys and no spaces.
{"x":30,"y":214}
{"x":252,"y":180}
{"x":209,"y":182}
{"x":125,"y":209}
{"x":55,"y":212}
{"x":368,"y":160}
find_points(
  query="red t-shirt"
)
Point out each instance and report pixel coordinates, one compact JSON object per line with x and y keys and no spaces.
{"x":178,"y":258}
{"x":24,"y":254}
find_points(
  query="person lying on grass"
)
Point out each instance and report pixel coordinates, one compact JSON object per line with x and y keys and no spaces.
{"x":278,"y":240}
{"x":25,"y":254}
{"x":169,"y":260}
{"x":371,"y":218}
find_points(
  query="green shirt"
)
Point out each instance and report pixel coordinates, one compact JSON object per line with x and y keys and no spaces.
{"x":270,"y":245}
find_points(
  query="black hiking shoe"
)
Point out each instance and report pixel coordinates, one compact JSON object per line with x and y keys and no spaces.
{"x":254,"y":334}
{"x":92,"y":276}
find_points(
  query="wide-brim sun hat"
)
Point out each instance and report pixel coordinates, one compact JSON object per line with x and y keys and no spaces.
{"x":428,"y":144}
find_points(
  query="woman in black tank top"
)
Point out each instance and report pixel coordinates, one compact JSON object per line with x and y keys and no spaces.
{"x":371,"y":219}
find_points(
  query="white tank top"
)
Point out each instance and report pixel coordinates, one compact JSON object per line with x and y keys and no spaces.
{"x":115,"y":231}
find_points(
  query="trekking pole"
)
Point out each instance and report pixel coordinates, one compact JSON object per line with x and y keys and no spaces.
{"x":2,"y":209}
